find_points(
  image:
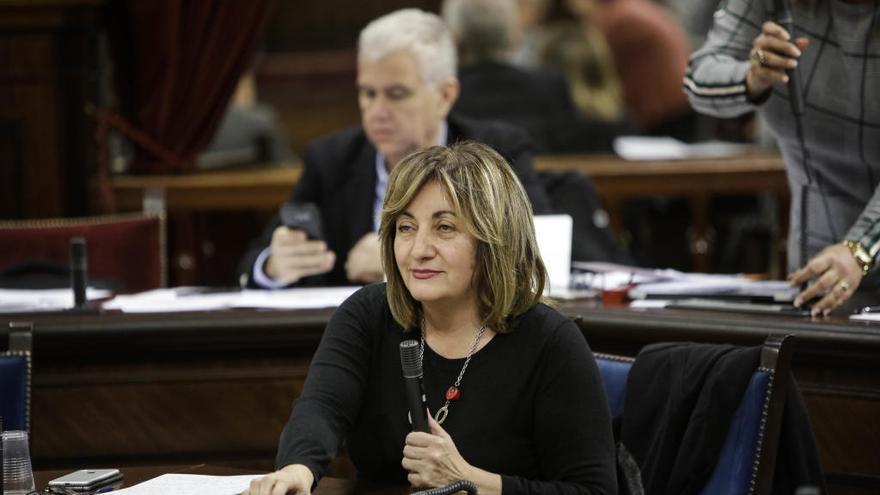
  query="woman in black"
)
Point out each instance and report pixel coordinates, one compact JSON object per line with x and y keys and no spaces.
{"x":516,"y":401}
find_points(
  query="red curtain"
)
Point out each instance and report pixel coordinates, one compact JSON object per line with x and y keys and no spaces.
{"x":176,"y":72}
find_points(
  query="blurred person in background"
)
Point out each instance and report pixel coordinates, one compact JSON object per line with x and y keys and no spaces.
{"x":406,"y":79}
{"x":539,"y":100}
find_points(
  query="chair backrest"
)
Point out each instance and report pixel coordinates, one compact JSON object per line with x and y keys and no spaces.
{"x":748,"y":456}
{"x":127,"y":248}
{"x":15,"y":381}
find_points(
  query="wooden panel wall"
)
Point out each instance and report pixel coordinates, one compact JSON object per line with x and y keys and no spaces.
{"x":47,"y":74}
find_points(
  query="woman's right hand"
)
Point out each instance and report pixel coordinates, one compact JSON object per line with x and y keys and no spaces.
{"x":295,"y":479}
{"x":772,"y":54}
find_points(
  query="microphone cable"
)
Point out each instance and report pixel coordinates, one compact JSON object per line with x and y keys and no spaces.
{"x":796,"y":99}
{"x":455,"y":486}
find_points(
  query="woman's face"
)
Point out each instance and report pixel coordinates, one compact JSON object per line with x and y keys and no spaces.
{"x":434,"y":252}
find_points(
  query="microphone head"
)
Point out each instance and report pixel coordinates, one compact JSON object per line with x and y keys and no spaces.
{"x":78,"y":252}
{"x":410,"y":358}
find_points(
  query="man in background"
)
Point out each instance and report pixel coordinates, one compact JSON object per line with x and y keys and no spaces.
{"x":406,"y":87}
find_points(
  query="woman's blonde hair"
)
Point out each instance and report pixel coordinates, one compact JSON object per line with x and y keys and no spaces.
{"x":509,"y":273}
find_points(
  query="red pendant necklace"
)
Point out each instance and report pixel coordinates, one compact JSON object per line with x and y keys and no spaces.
{"x":453,"y":393}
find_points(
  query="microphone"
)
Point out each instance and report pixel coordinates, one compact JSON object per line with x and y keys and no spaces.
{"x":784,"y":19}
{"x":411,"y":364}
{"x":796,"y":101}
{"x":78,"y":271}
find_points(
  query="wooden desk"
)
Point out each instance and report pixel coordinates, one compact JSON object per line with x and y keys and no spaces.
{"x":616,"y":181}
{"x":258,"y":188}
{"x":133,"y":475}
{"x":217,"y":387}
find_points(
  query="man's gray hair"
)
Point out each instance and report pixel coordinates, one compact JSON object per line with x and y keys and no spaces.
{"x":423,"y":34}
{"x":484,"y":29}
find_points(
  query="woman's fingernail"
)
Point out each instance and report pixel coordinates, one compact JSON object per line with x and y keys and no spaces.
{"x":797,"y":302}
{"x":826,"y":312}
{"x":797,"y":52}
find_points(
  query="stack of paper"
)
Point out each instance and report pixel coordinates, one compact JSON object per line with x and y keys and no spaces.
{"x":21,"y":300}
{"x":647,"y":283}
{"x":639,"y":148}
{"x":191,"y":484}
{"x":206,"y":299}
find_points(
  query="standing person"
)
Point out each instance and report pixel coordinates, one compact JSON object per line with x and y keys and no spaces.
{"x":831,"y":154}
{"x":406,"y":86}
{"x":526,"y":412}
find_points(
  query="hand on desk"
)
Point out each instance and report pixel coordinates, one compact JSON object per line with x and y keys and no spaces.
{"x":295,"y":479}
{"x":364,"y":263}
{"x":836,"y":274}
{"x":294,"y":256}
{"x":433,"y":460}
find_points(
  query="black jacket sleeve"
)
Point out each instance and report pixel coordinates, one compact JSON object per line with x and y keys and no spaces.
{"x":332,"y":394}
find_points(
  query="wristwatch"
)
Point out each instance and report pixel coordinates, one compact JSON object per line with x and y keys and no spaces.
{"x":861,"y":255}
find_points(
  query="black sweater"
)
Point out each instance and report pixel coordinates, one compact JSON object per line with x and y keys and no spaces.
{"x":532,"y":407}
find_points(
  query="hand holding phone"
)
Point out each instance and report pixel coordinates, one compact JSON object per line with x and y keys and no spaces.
{"x":297,"y":250}
{"x":302,"y":216}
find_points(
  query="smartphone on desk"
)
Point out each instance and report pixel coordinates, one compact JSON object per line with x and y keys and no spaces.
{"x":86,"y":480}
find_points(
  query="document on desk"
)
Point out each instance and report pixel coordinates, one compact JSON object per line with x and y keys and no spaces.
{"x":207,"y":299}
{"x":865,"y":316}
{"x":641,"y":148}
{"x":706,"y":285}
{"x":24,"y":300}
{"x":191,"y":484}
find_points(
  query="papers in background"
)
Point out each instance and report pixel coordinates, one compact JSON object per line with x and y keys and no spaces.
{"x":206,"y":299}
{"x":865,"y":316}
{"x":667,"y":148}
{"x":191,"y":484}
{"x":698,"y":284}
{"x":21,"y":300}
{"x":673,"y":284}
{"x":553,"y":233}
{"x":600,"y":275}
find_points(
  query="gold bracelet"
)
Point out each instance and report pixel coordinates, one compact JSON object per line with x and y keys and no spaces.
{"x":861,"y":255}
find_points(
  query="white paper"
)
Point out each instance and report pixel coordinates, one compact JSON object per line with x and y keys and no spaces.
{"x":718,"y":285}
{"x":202,"y":299}
{"x":639,"y":148}
{"x":866,"y":317}
{"x":649,"y":304}
{"x":553,"y":233}
{"x":305,"y":298}
{"x":43,"y":299}
{"x":191,"y":484}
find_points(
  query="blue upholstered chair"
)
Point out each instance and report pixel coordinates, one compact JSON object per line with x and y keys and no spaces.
{"x":15,"y":380}
{"x":748,"y":457}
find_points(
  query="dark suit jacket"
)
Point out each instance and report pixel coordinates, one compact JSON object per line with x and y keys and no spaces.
{"x":538,"y":101}
{"x":340,"y":178}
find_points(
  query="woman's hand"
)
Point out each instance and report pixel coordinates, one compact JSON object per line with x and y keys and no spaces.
{"x":433,"y":460}
{"x":772,"y":54}
{"x":294,"y":479}
{"x":837,"y":276}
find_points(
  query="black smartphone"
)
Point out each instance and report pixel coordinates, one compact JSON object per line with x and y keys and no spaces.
{"x":302,"y":216}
